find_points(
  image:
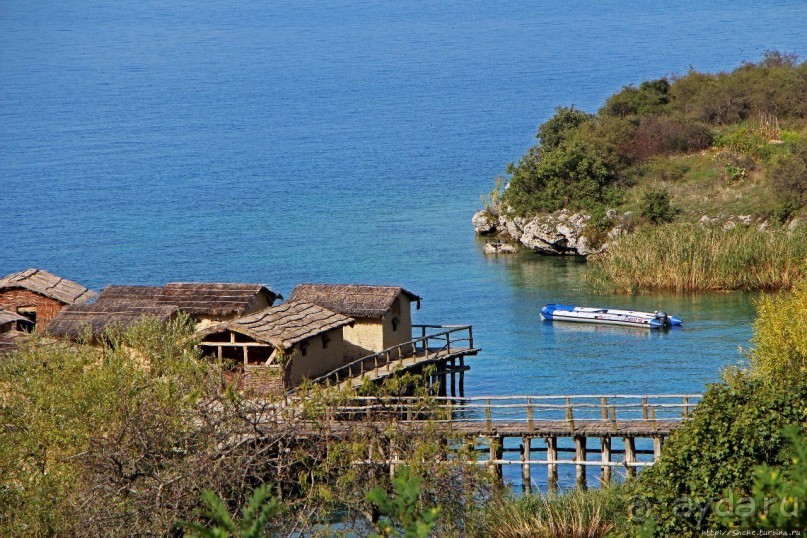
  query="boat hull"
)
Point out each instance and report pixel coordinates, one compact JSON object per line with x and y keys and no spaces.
{"x":606,"y":316}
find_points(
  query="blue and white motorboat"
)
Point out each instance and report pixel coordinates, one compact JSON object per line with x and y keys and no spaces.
{"x":609,"y":316}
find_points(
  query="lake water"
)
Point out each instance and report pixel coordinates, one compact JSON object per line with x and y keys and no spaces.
{"x":146,"y":142}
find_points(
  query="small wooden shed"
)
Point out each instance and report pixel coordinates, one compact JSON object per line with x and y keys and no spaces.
{"x":39,"y":295}
{"x":383,"y":314}
{"x":9,"y":321}
{"x":279,"y":346}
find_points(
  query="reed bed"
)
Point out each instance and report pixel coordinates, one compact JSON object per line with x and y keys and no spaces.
{"x":690,"y":257}
{"x":574,"y":514}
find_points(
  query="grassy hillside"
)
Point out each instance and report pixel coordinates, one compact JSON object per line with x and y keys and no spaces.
{"x":728,"y":143}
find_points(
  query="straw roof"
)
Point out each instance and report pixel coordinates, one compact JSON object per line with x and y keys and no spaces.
{"x":47,"y":284}
{"x":284,"y":325}
{"x":358,"y":301}
{"x":72,"y":321}
{"x":193,"y":298}
{"x":7,"y":316}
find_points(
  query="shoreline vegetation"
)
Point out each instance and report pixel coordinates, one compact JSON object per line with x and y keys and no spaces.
{"x":671,"y":185}
{"x":141,"y":436}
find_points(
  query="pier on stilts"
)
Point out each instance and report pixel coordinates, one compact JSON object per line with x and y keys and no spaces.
{"x":538,"y":426}
{"x":444,"y":346}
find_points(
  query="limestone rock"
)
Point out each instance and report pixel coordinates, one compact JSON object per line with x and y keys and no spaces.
{"x":484,"y":223}
{"x":498,"y":247}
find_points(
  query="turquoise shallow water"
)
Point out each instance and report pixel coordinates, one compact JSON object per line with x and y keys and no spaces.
{"x":145,"y":142}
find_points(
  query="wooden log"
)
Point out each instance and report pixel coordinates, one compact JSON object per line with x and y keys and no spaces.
{"x":630,"y":455}
{"x":526,"y":480}
{"x":605,"y":472}
{"x":552,"y":468}
{"x":580,"y":455}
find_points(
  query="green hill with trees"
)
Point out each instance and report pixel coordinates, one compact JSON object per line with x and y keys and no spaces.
{"x":699,"y":148}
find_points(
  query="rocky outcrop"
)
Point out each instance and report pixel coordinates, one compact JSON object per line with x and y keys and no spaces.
{"x":497,"y":247}
{"x":484,"y":223}
{"x":559,"y":233}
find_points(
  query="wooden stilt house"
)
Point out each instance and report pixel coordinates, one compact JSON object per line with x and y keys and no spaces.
{"x":383,"y":314}
{"x":278,"y":347}
{"x":39,"y":295}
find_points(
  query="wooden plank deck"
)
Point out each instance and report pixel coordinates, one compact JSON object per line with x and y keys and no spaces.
{"x":421,"y":358}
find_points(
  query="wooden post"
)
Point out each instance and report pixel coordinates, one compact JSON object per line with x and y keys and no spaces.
{"x":526,"y":481}
{"x":569,"y":413}
{"x":580,"y":455}
{"x":488,"y":421}
{"x":686,"y":407}
{"x":495,"y":453}
{"x":630,"y":455}
{"x":605,"y":472}
{"x":613,"y":417}
{"x":462,"y":377}
{"x":471,"y":337}
{"x":441,"y":390}
{"x":604,"y":402}
{"x":657,"y":442}
{"x":644,"y":408}
{"x":530,"y":423}
{"x":552,"y":468}
{"x":453,"y":377}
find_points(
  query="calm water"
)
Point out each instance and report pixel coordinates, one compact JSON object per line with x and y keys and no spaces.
{"x":145,"y":142}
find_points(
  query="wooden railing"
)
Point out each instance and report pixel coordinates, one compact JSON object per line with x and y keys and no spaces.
{"x":425,"y":347}
{"x":488,"y":411}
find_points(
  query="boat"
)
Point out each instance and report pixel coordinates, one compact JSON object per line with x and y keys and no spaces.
{"x":609,"y":316}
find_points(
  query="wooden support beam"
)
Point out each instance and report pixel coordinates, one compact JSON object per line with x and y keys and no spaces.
{"x":552,"y":468}
{"x":495,"y":444}
{"x":526,"y":480}
{"x":657,"y":442}
{"x":605,"y":472}
{"x":580,"y":445}
{"x":630,"y":455}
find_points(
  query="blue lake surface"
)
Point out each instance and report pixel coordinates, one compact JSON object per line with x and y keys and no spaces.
{"x":285,"y":142}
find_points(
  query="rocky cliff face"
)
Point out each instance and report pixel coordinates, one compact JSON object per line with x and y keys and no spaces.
{"x":559,"y":233}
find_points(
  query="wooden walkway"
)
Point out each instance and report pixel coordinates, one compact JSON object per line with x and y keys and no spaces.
{"x":444,"y":348}
{"x":535,"y":424}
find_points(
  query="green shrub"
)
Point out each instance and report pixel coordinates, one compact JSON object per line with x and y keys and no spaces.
{"x":554,"y":131}
{"x":778,"y":495}
{"x":649,"y":98}
{"x":402,"y":515}
{"x":655,"y":206}
{"x":736,"y":426}
{"x":255,"y":516}
{"x":746,"y":142}
{"x":780,"y":339}
{"x":788,"y":176}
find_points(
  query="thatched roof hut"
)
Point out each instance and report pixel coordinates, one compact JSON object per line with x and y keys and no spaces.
{"x":355,"y":300}
{"x":93,"y":319}
{"x":47,"y":284}
{"x":284,"y":325}
{"x":309,"y":336}
{"x":197,"y":299}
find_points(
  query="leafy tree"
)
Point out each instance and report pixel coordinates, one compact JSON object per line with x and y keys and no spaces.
{"x":402,"y":515}
{"x":559,"y":127}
